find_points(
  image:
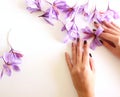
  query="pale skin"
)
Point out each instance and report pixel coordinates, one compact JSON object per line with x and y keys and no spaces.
{"x":81,"y":64}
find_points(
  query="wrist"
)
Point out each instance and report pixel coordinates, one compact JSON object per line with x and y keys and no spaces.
{"x":86,"y":95}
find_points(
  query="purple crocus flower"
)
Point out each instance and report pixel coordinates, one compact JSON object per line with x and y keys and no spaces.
{"x":95,"y":35}
{"x":111,"y":14}
{"x":65,"y":8}
{"x":11,"y":61}
{"x":108,"y":15}
{"x":51,"y":13}
{"x":69,"y":11}
{"x":72,"y":31}
{"x":33,"y":5}
{"x":83,"y":9}
{"x":94,"y":16}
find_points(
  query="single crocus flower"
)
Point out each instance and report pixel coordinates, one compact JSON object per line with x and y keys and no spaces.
{"x":95,"y":35}
{"x":51,"y":13}
{"x":72,"y":31}
{"x":68,"y":10}
{"x":11,"y":61}
{"x":108,"y":15}
{"x":33,"y":5}
{"x":83,"y":9}
{"x":111,"y":14}
{"x":94,"y":16}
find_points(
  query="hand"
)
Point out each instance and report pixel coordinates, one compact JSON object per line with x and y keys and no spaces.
{"x":110,"y":37}
{"x":82,"y":69}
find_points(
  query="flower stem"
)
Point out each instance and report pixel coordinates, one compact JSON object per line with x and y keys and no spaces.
{"x":8,"y":38}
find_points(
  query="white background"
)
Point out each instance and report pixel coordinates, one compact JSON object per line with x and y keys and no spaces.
{"x":44,"y":72}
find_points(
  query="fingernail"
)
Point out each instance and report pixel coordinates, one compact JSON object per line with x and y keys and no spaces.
{"x":101,"y":41}
{"x":95,"y":22}
{"x":94,"y":29}
{"x":78,"y":39}
{"x":102,"y":22}
{"x":72,"y":44}
{"x":85,"y":42}
{"x":90,"y":54}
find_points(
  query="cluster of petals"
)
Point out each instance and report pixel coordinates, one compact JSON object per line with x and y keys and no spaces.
{"x":11,"y":61}
{"x":71,"y":12}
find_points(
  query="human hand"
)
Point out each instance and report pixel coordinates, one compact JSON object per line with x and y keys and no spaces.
{"x":110,"y":37}
{"x":82,"y":69}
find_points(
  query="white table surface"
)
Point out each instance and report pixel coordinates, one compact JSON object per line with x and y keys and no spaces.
{"x":44,"y":72}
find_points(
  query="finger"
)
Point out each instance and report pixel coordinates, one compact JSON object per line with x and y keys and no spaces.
{"x":108,"y":46}
{"x":108,"y":24}
{"x":106,"y":29}
{"x":115,"y":25}
{"x":108,"y":36}
{"x":67,"y":57}
{"x":74,"y":52}
{"x":85,"y":53}
{"x":79,"y":51}
{"x":92,"y":66}
{"x":111,"y":26}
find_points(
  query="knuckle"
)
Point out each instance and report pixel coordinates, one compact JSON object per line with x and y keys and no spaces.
{"x":76,"y":70}
{"x":83,"y":69}
{"x":79,"y":70}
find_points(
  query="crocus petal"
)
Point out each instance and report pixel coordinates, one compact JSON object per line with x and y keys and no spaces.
{"x":73,"y":34}
{"x":69,"y":25}
{"x":16,"y":53}
{"x":16,"y":68}
{"x":63,"y":28}
{"x":93,"y":45}
{"x":99,"y":31}
{"x":66,"y":39}
{"x":115,"y":14}
{"x":69,"y":11}
{"x":8,"y":57}
{"x":2,"y":72}
{"x":100,"y":17}
{"x":86,"y":30}
{"x":83,"y":9}
{"x":95,"y":42}
{"x":33,"y":5}
{"x":49,"y":15}
{"x":88,"y":37}
{"x":11,"y":58}
{"x":48,"y":20}
{"x":88,"y":33}
{"x":60,"y":4}
{"x":7,"y":70}
{"x":72,"y":30}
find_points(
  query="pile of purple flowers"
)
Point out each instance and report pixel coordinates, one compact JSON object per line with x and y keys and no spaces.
{"x":70,"y":26}
{"x":11,"y":61}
